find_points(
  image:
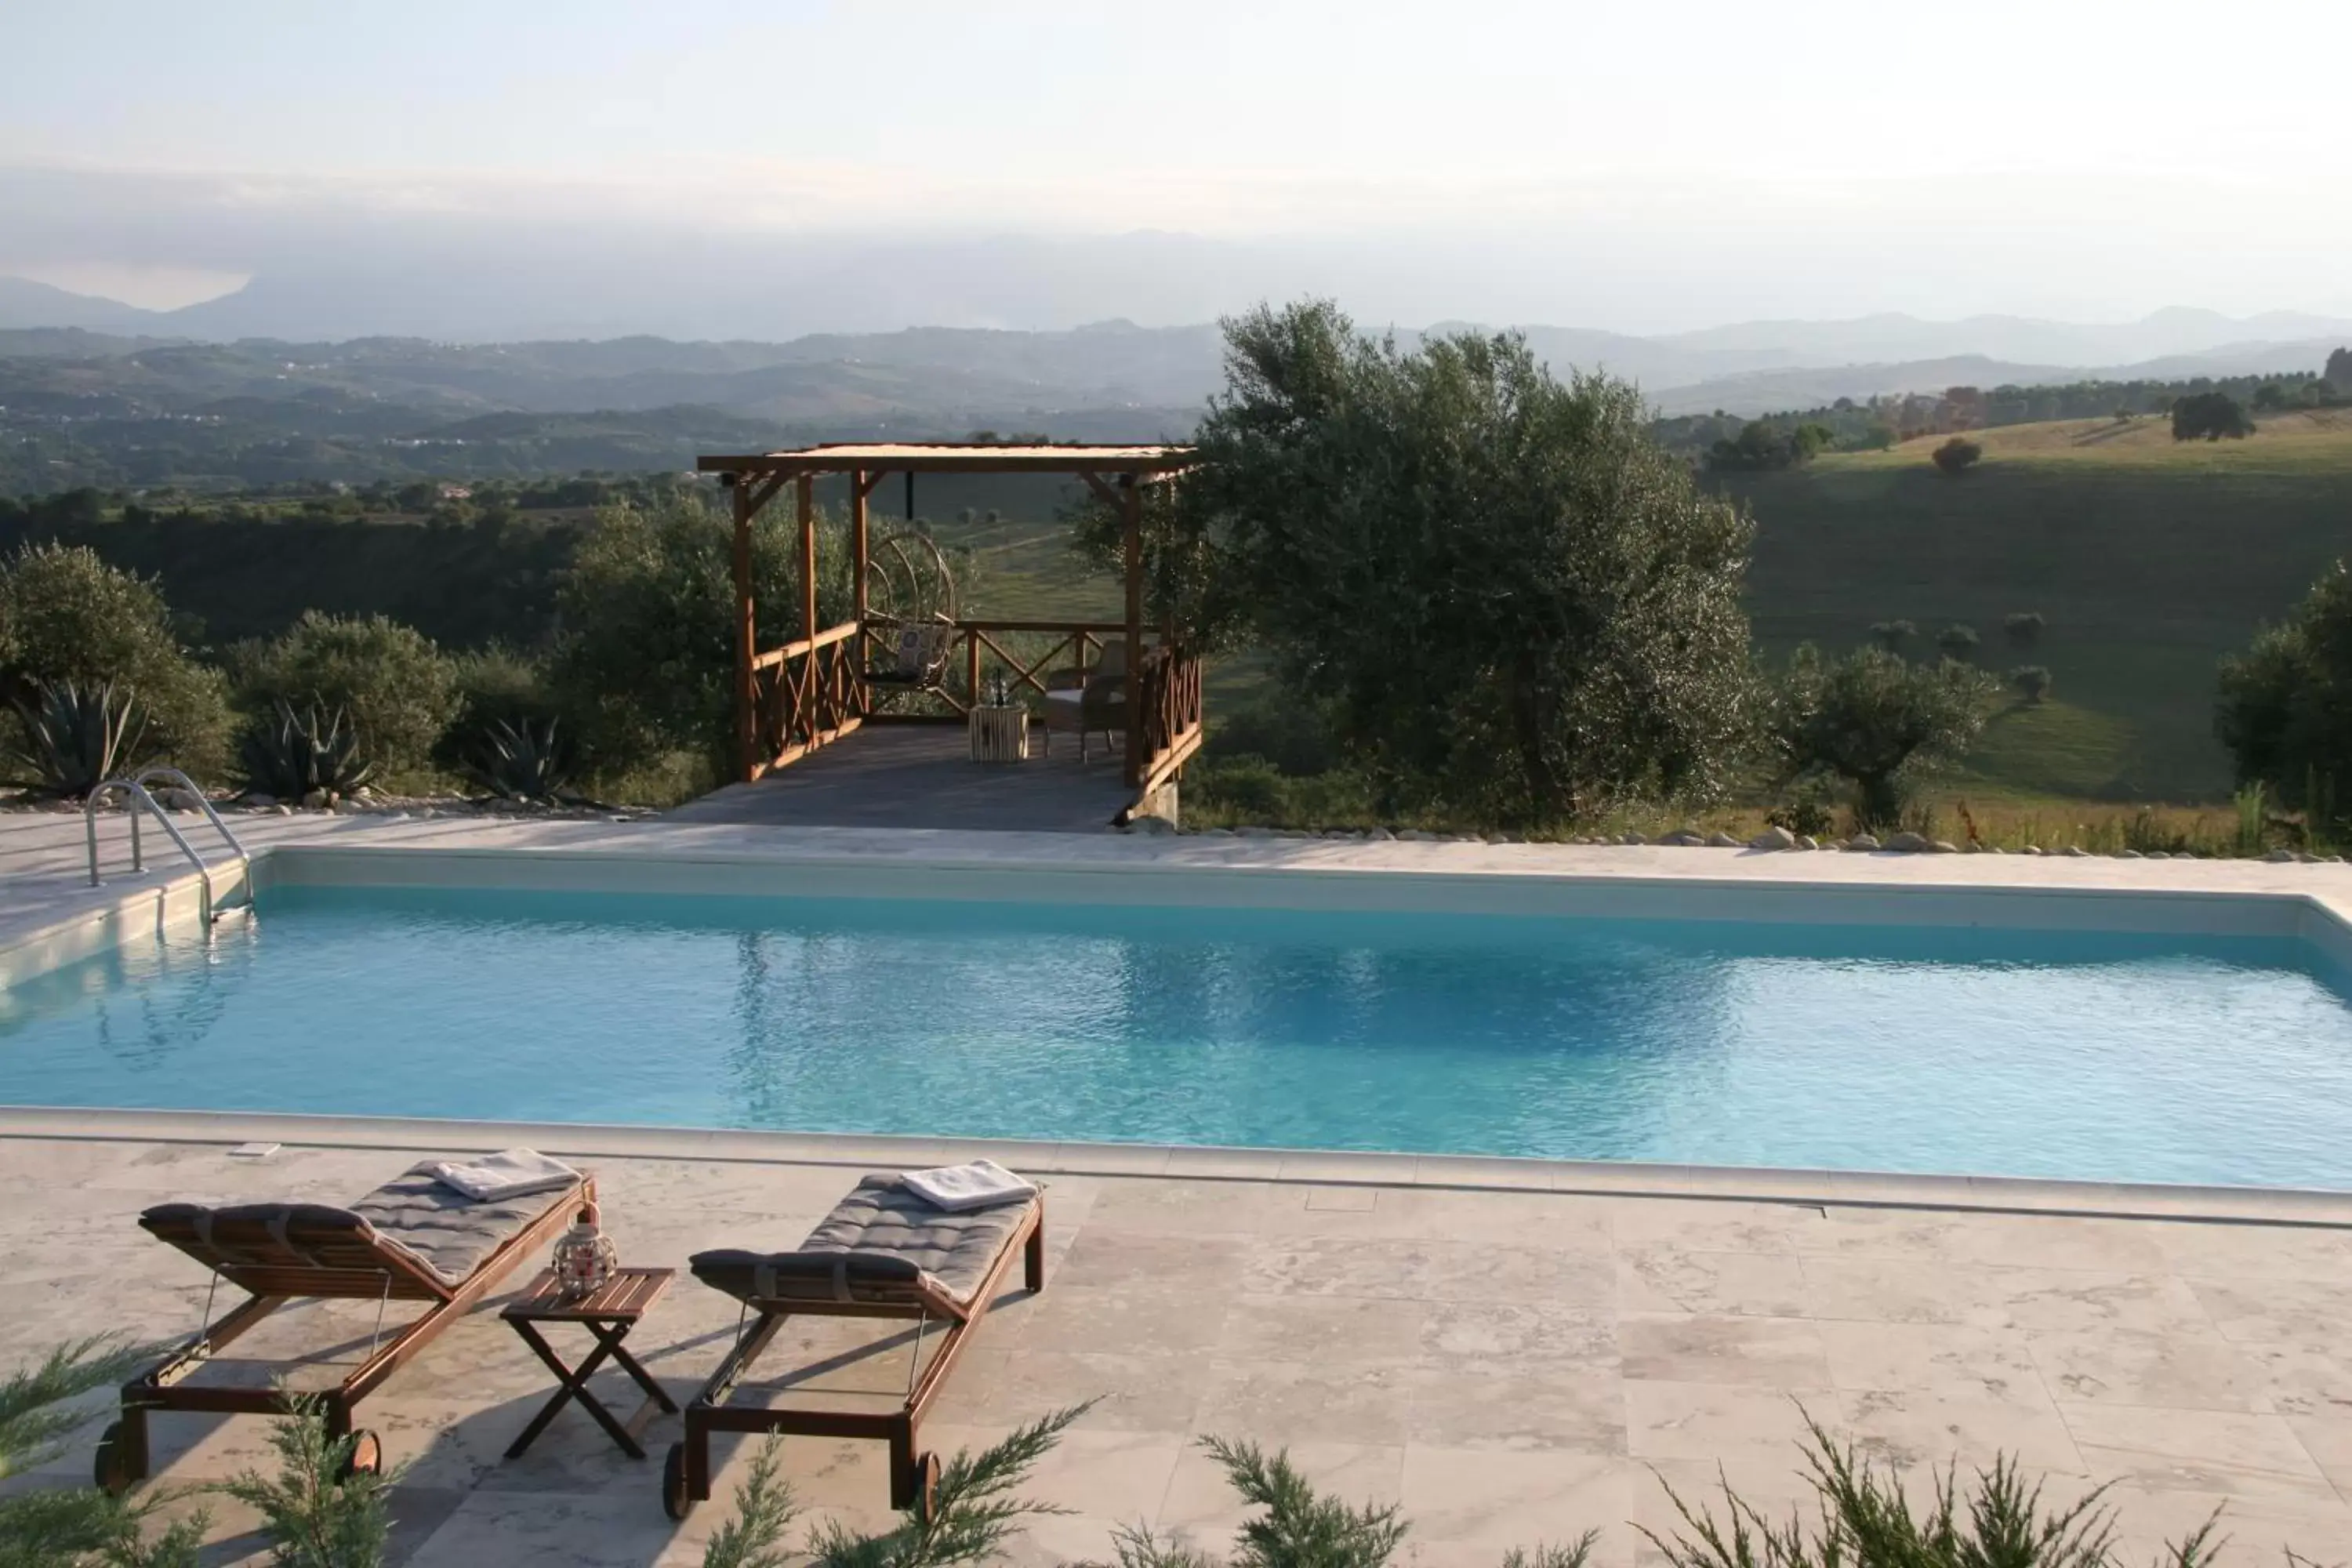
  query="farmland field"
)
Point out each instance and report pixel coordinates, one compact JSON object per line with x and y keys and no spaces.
{"x":2150,"y":558}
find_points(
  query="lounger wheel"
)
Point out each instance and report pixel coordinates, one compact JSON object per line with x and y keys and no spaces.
{"x":926,"y":1487}
{"x":365,"y":1457}
{"x":112,"y":1467}
{"x":674,"y":1502}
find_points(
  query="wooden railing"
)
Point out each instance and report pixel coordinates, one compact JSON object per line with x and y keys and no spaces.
{"x":813,"y":690}
{"x":1166,"y":724}
{"x":979,"y":650}
{"x":805,"y":695}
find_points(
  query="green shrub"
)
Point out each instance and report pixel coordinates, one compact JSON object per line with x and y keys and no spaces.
{"x":317,"y":1511}
{"x":2285,"y":707}
{"x":973,"y":1511}
{"x":397,"y":689}
{"x":2031,"y":681}
{"x":1864,"y":1519}
{"x":79,"y":1527}
{"x":1956,"y":455}
{"x":66,"y":617}
{"x":1249,"y":789}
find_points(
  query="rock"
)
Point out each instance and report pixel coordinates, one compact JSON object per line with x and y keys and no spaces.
{"x":2335,"y":859}
{"x":1944,"y":846}
{"x":1631,"y":839}
{"x":2129,"y":855}
{"x":1807,"y":841}
{"x":283,"y":810}
{"x":261,"y":800}
{"x":346,"y":808}
{"x":2075,"y":852}
{"x":1505,"y":839}
{"x":1253,"y":831}
{"x":2280,"y":857}
{"x":1682,"y":838}
{"x":1150,"y":824}
{"x":2306,"y":857}
{"x":1379,"y":835}
{"x":1415,"y":836}
{"x":1862,"y":843}
{"x":1994,"y":849}
{"x":1972,"y":847}
{"x":1906,"y":843}
{"x":314,"y":801}
{"x":1773,"y":838}
{"x":1722,"y":840}
{"x":2031,"y":849}
{"x":2159,"y":855}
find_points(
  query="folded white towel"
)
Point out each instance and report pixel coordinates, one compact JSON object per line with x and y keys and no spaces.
{"x":495,"y":1178}
{"x":982,"y":1184}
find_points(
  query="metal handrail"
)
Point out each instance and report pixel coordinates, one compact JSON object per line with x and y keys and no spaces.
{"x":134,"y":791}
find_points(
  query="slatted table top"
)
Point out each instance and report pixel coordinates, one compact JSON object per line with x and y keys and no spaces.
{"x":627,"y":1296}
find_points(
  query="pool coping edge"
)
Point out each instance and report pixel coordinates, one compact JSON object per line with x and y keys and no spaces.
{"x":1847,"y":1189}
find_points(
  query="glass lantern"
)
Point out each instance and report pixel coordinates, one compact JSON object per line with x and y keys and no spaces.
{"x":584,"y":1258}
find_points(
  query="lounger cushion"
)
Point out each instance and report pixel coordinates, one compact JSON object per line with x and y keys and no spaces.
{"x":881,"y":1243}
{"x":446,"y":1233}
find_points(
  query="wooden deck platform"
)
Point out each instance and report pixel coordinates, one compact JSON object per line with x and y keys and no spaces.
{"x":922,"y":775}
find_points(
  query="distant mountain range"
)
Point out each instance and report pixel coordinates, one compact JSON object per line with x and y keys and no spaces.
{"x":957,"y":372}
{"x":150,"y":403}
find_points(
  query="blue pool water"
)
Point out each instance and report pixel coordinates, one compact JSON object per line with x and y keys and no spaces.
{"x":2092,"y":1056}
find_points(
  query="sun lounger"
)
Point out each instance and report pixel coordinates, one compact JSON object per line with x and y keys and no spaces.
{"x":883,"y":1252}
{"x":412,"y":1240}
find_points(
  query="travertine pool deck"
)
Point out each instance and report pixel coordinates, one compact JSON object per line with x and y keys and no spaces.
{"x":1511,"y":1367}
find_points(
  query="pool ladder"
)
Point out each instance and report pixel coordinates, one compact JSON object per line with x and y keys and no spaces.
{"x":138,"y":800}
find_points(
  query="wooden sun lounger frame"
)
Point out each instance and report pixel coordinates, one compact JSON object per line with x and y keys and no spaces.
{"x":373,"y":1273}
{"x":685,"y":1475}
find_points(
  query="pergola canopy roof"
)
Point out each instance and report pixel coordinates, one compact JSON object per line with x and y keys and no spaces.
{"x":955,"y":458}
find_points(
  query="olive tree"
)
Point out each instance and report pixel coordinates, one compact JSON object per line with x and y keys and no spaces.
{"x":1878,"y":721}
{"x":1509,"y":596}
{"x":2286,"y":709}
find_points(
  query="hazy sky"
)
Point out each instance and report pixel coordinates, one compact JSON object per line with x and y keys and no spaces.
{"x":1643,"y":166}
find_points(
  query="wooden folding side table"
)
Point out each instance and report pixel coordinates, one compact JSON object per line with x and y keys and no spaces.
{"x":608,"y":1313}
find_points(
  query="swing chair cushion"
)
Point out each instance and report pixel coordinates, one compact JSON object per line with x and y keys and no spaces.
{"x":922,"y":655}
{"x":882,"y":1245}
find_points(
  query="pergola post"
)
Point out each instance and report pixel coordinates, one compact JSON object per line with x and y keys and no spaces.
{"x":858,"y":485}
{"x":1131,"y":506}
{"x":747,"y":638}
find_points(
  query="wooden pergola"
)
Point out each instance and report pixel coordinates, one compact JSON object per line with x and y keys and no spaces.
{"x":795,"y":699}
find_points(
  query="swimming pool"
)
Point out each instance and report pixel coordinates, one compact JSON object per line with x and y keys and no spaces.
{"x":2149,"y":1055}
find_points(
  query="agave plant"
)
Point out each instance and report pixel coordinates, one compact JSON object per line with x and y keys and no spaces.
{"x":74,"y":737}
{"x":526,"y":760}
{"x":292,"y":754}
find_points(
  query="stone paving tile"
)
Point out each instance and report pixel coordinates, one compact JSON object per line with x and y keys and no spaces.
{"x":1513,"y":1366}
{"x":1767,"y":1353}
{"x":2197,"y":1450}
{"x":1980,"y":1363}
{"x":1671,"y":1279}
{"x":2184,"y":1371}
{"x":1921,"y":1429}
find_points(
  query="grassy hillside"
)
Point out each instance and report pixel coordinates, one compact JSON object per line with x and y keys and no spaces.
{"x":2149,"y":557}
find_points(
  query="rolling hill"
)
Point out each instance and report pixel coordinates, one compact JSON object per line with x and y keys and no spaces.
{"x":2150,"y":559}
